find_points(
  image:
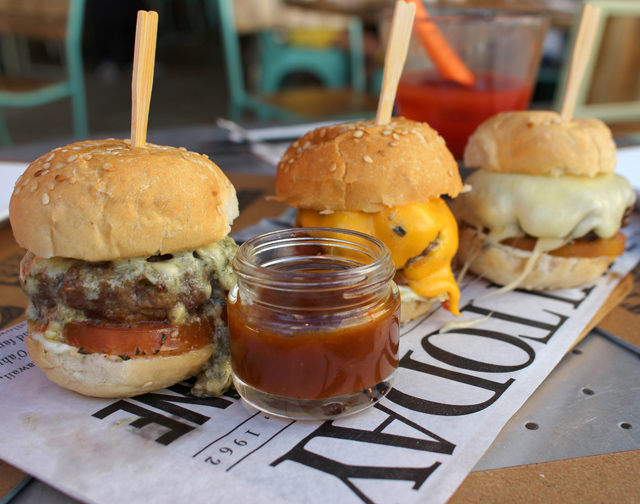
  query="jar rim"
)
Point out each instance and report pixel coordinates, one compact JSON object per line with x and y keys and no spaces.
{"x":247,"y":266}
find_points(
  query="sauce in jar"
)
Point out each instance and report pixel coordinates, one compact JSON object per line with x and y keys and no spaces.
{"x":314,"y":322}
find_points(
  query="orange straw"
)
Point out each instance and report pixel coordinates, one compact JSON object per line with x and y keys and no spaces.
{"x":445,"y":59}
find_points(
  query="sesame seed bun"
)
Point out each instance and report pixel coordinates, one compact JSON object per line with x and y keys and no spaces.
{"x":361,"y":166}
{"x":541,"y":143}
{"x":104,"y":200}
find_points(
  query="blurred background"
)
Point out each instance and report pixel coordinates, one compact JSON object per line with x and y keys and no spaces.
{"x":253,"y":61}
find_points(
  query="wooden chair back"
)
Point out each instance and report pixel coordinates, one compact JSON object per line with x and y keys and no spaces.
{"x":610,"y":89}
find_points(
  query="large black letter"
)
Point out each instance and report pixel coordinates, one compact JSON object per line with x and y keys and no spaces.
{"x":347,"y":472}
{"x":435,"y":408}
{"x":176,"y":429}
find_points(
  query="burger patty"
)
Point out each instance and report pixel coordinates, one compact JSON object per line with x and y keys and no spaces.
{"x":160,"y":287}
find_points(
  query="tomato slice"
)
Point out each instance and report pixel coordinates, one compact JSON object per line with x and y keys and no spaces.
{"x":139,"y":339}
{"x":611,"y":247}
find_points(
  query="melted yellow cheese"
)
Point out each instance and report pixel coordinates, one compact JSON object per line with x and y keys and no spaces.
{"x":568,"y":207}
{"x":408,"y":231}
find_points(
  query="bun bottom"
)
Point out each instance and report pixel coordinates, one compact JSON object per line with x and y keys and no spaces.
{"x":502,"y":265}
{"x":101,"y":375}
{"x":413,"y":308}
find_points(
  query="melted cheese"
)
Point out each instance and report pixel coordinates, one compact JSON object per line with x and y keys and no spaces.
{"x":566,"y":208}
{"x":408,"y":231}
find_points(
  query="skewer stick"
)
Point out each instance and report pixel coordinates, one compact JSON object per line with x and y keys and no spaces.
{"x":395,"y":57}
{"x":579,"y":58}
{"x":143,"y":65}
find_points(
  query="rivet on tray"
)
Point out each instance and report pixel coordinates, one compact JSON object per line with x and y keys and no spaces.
{"x":625,"y":425}
{"x":587,"y":391}
{"x":531,"y":426}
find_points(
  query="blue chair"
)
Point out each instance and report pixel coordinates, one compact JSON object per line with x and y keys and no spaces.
{"x":333,"y":100}
{"x":21,"y":84}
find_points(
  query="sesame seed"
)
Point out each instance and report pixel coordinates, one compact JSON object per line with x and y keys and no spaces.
{"x":286,"y":169}
{"x":87,"y":157}
{"x":59,"y":165}
{"x":358,"y":134}
{"x":26,"y":182}
{"x":107,"y":167}
{"x":59,"y":178}
{"x":405,"y":132}
{"x":333,"y":168}
{"x":77,"y":148}
{"x":451,"y":173}
{"x":17,"y":190}
{"x":291,"y":160}
{"x":72,"y":158}
{"x":38,"y":173}
{"x":205,"y":156}
{"x":295,"y":144}
{"x":46,"y":165}
{"x":227,"y":183}
{"x":386,"y":132}
{"x":219,"y":209}
{"x":307,"y":145}
{"x":184,"y":149}
{"x":351,"y":127}
{"x":72,"y":180}
{"x":34,"y":187}
{"x":393,"y":144}
{"x":396,"y":136}
{"x":45,"y":199}
{"x":44,"y":172}
{"x":127,"y":141}
{"x":367,"y":159}
{"x":51,"y":156}
{"x":323,"y":132}
{"x":51,"y":186}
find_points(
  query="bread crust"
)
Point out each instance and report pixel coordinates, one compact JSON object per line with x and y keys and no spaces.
{"x":101,"y":375}
{"x":541,"y":143}
{"x":413,"y":308}
{"x":502,"y":265}
{"x":104,"y":200}
{"x":361,"y":166}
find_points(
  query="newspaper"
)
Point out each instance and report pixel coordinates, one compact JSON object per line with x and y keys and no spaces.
{"x":453,"y":393}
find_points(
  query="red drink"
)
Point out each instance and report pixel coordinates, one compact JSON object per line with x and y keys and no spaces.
{"x":455,"y":111}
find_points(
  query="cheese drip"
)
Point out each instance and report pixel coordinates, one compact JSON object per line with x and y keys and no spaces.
{"x":408,"y":231}
{"x":567,"y":207}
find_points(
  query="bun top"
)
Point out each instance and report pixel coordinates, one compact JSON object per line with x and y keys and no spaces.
{"x":360,"y":166}
{"x":541,"y":143}
{"x":103,"y":200}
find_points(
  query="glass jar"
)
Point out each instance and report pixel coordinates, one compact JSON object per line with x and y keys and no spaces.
{"x":314,"y":322}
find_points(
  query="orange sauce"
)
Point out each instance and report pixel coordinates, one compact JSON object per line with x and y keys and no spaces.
{"x":454,"y":110}
{"x":311,"y":356}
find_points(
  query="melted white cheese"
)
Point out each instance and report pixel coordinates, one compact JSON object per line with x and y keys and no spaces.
{"x":568,"y":207}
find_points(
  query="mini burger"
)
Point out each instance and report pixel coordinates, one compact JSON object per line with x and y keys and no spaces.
{"x":385,"y":181}
{"x":128,"y":264}
{"x":545,"y":208}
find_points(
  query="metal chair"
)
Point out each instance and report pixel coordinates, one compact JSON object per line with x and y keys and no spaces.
{"x":608,"y":90}
{"x":328,"y":101}
{"x":23,"y":84}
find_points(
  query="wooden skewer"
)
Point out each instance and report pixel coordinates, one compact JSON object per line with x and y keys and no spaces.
{"x":395,"y":57}
{"x":143,"y":65}
{"x":580,"y":55}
